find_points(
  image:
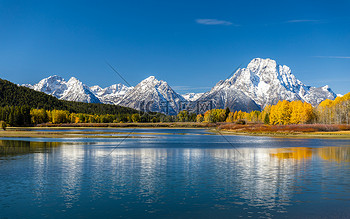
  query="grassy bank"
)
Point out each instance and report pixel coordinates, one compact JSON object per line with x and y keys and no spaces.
{"x":18,"y":133}
{"x":76,"y":130}
{"x":301,"y":130}
{"x":132,"y":125}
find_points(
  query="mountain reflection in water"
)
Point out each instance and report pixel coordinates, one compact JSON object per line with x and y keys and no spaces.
{"x":174,"y":179}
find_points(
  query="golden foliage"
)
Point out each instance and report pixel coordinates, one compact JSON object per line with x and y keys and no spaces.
{"x":337,"y":111}
{"x":295,"y":112}
{"x":199,"y":118}
{"x":215,"y":115}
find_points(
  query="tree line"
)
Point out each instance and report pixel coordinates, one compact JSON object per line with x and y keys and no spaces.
{"x":26,"y":116}
{"x":334,"y":111}
{"x":286,"y":112}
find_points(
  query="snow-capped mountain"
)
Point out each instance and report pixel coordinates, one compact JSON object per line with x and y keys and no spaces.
{"x":53,"y":85}
{"x":192,"y":96}
{"x":112,"y":94}
{"x":264,"y":82}
{"x":223,"y":95}
{"x":267,"y":83}
{"x":77,"y":91}
{"x":153,"y":95}
{"x":72,"y":90}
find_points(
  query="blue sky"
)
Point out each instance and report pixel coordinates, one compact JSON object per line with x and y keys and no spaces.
{"x":190,"y":44}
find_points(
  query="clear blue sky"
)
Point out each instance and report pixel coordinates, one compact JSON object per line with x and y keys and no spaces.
{"x":190,"y":44}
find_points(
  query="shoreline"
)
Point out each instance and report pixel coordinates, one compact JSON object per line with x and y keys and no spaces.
{"x":287,"y":131}
{"x":331,"y":131}
{"x":129,"y":125}
{"x":61,"y":135}
{"x":323,"y":135}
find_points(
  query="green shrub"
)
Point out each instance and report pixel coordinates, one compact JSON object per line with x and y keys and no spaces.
{"x":3,"y":125}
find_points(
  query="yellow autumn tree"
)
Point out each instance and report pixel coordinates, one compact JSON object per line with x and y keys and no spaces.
{"x":59,"y":116}
{"x":39,"y":116}
{"x":230,"y":117}
{"x":324,"y":111}
{"x":199,"y":118}
{"x":307,"y":114}
{"x":336,"y":111}
{"x":254,"y":116}
{"x":301,"y":113}
{"x":296,"y":110}
{"x":215,"y":115}
{"x":280,"y":113}
{"x":265,"y":115}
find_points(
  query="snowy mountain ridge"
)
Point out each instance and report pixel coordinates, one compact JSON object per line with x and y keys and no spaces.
{"x":263,"y":82}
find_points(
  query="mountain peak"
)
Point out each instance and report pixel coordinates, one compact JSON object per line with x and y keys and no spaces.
{"x":52,"y":79}
{"x":259,"y":64}
{"x":73,"y":80}
{"x":95,"y":88}
{"x":150,"y":79}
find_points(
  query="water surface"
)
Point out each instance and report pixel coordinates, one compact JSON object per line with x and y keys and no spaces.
{"x":178,"y":173}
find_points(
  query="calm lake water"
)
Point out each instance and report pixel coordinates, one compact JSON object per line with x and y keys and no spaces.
{"x":174,"y":173}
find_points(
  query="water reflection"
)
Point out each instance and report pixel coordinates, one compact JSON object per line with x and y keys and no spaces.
{"x":8,"y":147}
{"x":338,"y":154}
{"x":296,"y":153}
{"x":71,"y":169}
{"x":171,"y":181}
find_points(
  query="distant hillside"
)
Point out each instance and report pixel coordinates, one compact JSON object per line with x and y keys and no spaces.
{"x":14,"y":95}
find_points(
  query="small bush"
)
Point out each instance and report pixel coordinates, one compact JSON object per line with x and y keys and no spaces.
{"x":241,"y":122}
{"x":3,"y":125}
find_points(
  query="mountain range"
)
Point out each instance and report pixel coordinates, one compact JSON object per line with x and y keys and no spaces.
{"x":263,"y":82}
